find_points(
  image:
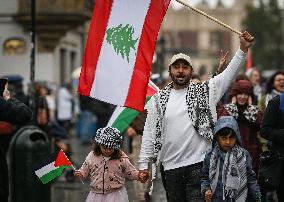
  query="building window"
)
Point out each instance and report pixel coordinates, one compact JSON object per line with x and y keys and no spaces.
{"x":73,"y":59}
{"x":14,"y":46}
{"x":63,"y":66}
{"x":188,"y":39}
{"x":220,"y":40}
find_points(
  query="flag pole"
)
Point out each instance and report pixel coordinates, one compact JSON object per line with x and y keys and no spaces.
{"x":71,"y":165}
{"x":209,"y":17}
{"x":79,"y":177}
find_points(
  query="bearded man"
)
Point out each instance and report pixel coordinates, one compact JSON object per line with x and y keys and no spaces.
{"x":179,"y":125}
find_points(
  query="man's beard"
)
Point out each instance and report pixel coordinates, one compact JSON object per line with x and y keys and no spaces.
{"x":186,"y":79}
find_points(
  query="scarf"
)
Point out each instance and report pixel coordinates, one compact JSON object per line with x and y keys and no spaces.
{"x":271,"y":95}
{"x":250,"y":112}
{"x":234,"y":174}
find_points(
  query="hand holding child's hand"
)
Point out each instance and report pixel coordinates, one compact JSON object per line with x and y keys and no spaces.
{"x":143,"y":176}
{"x":78,"y":174}
{"x":208,"y":195}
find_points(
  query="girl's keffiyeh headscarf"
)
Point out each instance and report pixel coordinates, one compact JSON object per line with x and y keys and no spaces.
{"x":109,"y":137}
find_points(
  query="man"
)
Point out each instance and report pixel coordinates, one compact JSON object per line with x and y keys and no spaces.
{"x":65,"y":106}
{"x":179,"y":124}
{"x":14,"y":112}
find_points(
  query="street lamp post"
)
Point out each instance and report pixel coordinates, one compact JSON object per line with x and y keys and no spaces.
{"x":32,"y":44}
{"x":32,"y":59}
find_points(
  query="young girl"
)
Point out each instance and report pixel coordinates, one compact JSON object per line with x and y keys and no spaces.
{"x":227,"y":174}
{"x":108,"y":166}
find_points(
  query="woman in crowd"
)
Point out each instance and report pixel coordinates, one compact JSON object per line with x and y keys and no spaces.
{"x":274,"y":87}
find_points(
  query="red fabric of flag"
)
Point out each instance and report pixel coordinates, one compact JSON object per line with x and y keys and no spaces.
{"x":249,"y":60}
{"x":62,"y":160}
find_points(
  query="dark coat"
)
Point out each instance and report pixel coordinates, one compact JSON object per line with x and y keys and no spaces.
{"x":272,"y":127}
{"x":15,"y":112}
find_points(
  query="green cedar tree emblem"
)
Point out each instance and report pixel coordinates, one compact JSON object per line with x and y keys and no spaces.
{"x":121,"y":39}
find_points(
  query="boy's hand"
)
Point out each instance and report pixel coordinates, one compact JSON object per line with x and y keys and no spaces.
{"x":78,"y":174}
{"x":143,"y":176}
{"x":208,"y":195}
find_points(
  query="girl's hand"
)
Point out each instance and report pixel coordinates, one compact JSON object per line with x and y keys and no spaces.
{"x":143,"y":176}
{"x":208,"y":195}
{"x":78,"y":174}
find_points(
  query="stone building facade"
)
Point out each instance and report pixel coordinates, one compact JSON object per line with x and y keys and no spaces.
{"x":61,"y":29}
{"x":186,"y":31}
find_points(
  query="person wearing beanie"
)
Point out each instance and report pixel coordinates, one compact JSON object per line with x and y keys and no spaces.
{"x":227,"y":173}
{"x":179,"y":125}
{"x":108,"y":166}
{"x":248,"y":117}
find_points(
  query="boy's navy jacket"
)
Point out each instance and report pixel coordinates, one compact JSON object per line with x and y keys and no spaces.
{"x":252,"y":186}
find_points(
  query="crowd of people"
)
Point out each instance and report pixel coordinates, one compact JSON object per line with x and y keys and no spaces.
{"x":202,"y":135}
{"x":205,"y":137}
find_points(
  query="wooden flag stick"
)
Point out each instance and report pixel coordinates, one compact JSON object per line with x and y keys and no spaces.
{"x":79,"y":177}
{"x":209,"y":17}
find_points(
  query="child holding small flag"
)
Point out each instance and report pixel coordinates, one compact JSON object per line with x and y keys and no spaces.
{"x":108,"y":167}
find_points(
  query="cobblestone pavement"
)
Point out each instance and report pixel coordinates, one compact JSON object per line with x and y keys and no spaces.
{"x":63,"y":191}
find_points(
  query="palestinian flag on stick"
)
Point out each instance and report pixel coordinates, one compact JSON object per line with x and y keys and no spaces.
{"x":122,"y":116}
{"x":52,"y":167}
{"x":119,"y":50}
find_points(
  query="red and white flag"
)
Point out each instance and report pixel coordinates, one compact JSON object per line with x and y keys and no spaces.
{"x":249,"y":60}
{"x":119,"y":50}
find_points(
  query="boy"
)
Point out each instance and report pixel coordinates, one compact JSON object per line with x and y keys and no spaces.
{"x":227,"y":173}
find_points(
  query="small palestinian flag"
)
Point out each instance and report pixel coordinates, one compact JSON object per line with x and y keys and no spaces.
{"x":52,"y":167}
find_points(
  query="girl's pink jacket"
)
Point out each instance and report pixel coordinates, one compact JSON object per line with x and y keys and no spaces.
{"x":107,"y":176}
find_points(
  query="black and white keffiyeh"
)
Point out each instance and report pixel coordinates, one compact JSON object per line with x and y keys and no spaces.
{"x":234,"y":175}
{"x":250,"y":112}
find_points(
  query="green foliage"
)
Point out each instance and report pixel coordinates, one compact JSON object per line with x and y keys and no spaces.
{"x":121,"y":39}
{"x":266,"y":25}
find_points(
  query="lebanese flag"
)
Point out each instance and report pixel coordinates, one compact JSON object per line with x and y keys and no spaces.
{"x":122,"y":116}
{"x":249,"y":60}
{"x":52,"y":166}
{"x":119,"y":50}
